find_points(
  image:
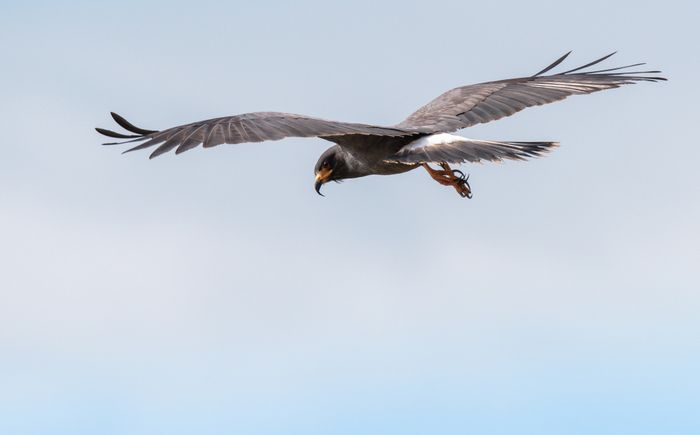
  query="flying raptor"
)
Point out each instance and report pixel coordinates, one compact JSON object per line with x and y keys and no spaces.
{"x":421,"y":139}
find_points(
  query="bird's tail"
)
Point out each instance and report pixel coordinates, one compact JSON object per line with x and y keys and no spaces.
{"x":449,"y":148}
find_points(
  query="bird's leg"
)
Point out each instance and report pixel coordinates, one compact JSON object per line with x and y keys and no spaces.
{"x":451,"y":177}
{"x":443,"y":177}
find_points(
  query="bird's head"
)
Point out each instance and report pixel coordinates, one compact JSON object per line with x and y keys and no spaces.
{"x":331,"y":166}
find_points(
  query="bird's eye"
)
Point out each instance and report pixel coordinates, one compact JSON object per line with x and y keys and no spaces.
{"x":325,"y":164}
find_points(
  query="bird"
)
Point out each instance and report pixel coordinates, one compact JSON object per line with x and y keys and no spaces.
{"x":423,"y":138}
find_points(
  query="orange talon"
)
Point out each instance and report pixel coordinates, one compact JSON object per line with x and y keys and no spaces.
{"x":451,"y":177}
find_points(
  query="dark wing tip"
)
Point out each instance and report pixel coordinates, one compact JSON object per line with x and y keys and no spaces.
{"x":114,"y":134}
{"x":595,"y":62}
{"x":618,"y":72}
{"x":553,"y":64}
{"x":129,"y":126}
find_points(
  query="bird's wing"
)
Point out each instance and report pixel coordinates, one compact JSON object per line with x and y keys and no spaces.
{"x":474,"y":104}
{"x":447,"y":148}
{"x":248,"y":127}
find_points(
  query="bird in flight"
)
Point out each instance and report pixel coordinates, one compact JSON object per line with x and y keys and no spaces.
{"x":420,"y":140}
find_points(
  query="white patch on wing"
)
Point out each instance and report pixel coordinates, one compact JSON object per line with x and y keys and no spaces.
{"x":433,"y":140}
{"x":445,"y":147}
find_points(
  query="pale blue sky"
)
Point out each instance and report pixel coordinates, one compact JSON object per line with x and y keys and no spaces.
{"x":190,"y":295}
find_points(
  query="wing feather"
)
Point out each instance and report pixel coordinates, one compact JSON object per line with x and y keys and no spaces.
{"x":474,"y":104}
{"x":174,"y":141}
{"x":216,"y":136}
{"x":248,"y":127}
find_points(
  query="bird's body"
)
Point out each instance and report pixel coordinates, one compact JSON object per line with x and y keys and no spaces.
{"x":361,"y":164}
{"x":422,"y":138}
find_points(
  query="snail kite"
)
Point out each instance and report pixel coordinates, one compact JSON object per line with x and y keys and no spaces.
{"x":422,"y":138}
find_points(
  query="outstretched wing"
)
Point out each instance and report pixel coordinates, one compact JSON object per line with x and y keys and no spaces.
{"x":448,"y":148}
{"x":248,"y":127}
{"x":469,"y":105}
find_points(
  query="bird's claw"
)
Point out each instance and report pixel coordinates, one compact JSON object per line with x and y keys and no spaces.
{"x":462,"y":184}
{"x":451,"y":177}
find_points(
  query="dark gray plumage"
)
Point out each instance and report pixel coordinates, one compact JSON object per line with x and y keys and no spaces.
{"x":474,"y":104}
{"x":364,"y":149}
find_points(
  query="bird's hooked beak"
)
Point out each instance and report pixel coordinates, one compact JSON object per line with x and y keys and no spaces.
{"x":322,"y":176}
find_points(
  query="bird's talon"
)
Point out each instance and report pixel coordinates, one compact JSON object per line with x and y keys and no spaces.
{"x":462,"y":186}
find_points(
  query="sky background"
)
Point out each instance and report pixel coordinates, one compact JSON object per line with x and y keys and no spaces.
{"x":215,"y":292}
